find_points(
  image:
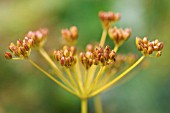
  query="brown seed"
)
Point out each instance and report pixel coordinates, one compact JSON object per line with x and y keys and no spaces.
{"x":66,"y":52}
{"x":89,"y":47}
{"x":150,"y":50}
{"x":62,"y":61}
{"x":74,"y":32}
{"x":158,"y":54}
{"x":8,"y":55}
{"x":73,"y":50}
{"x":145,"y":40}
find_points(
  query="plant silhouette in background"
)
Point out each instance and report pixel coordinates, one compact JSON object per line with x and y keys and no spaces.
{"x":88,"y":73}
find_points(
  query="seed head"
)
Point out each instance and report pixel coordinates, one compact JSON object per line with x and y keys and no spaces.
{"x":21,"y":49}
{"x":70,"y":35}
{"x":148,"y":47}
{"x":119,"y":35}
{"x":37,"y":37}
{"x":108,"y":18}
{"x":65,"y":56}
{"x":97,"y":56}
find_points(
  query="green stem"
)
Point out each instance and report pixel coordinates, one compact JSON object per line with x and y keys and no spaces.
{"x":52,"y":78}
{"x":103,"y":38}
{"x":84,"y":106}
{"x":98,"y":104}
{"x":116,"y":48}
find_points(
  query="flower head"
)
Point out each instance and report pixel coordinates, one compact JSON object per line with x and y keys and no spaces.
{"x":108,"y":18}
{"x":70,"y":35}
{"x":148,"y":47}
{"x":119,"y":35}
{"x":38,"y":36}
{"x":66,"y":56}
{"x":97,"y":56}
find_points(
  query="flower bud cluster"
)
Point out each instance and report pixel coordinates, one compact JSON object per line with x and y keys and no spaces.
{"x":66,"y":56}
{"x":70,"y":35}
{"x":21,"y":49}
{"x":148,"y":47}
{"x":108,"y":18}
{"x":97,"y":56}
{"x":38,"y":36}
{"x":119,"y":35}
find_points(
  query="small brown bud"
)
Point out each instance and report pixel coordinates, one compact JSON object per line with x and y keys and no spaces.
{"x":19,"y":43}
{"x":62,"y":61}
{"x":156,"y":48}
{"x":156,"y":42}
{"x":158,"y":54}
{"x":73,"y":50}
{"x":145,"y":40}
{"x":160,"y":45}
{"x":66,"y":52}
{"x":30,"y":42}
{"x":112,"y":55}
{"x":96,"y":61}
{"x":74,"y":32}
{"x":11,"y":47}
{"x":22,"y":50}
{"x":150,"y":50}
{"x":89,"y":54}
{"x":26,"y":46}
{"x":8,"y":55}
{"x":89,"y":47}
{"x":82,"y":55}
{"x":107,"y":48}
{"x":30,"y":34}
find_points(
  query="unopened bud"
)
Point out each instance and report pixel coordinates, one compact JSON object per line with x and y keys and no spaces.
{"x":8,"y":55}
{"x":158,"y":54}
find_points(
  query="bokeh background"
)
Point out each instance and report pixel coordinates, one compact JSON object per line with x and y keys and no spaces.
{"x":23,"y":89}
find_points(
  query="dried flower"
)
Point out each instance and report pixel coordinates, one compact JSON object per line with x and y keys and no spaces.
{"x":97,"y":56}
{"x":148,"y":47}
{"x":108,"y":18}
{"x":38,"y":37}
{"x":70,"y":35}
{"x":66,"y":56}
{"x":119,"y":35}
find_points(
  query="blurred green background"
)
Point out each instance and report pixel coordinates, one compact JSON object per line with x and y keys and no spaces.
{"x":23,"y":89}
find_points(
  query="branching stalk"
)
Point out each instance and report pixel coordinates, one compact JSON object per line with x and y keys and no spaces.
{"x":52,"y":78}
{"x":117,"y":78}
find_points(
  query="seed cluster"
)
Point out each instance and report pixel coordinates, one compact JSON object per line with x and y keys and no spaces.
{"x":66,"y":56}
{"x":119,"y":35}
{"x":70,"y":35}
{"x":38,"y":36}
{"x":108,"y":18}
{"x":23,"y":47}
{"x":97,"y":56}
{"x":148,"y":47}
